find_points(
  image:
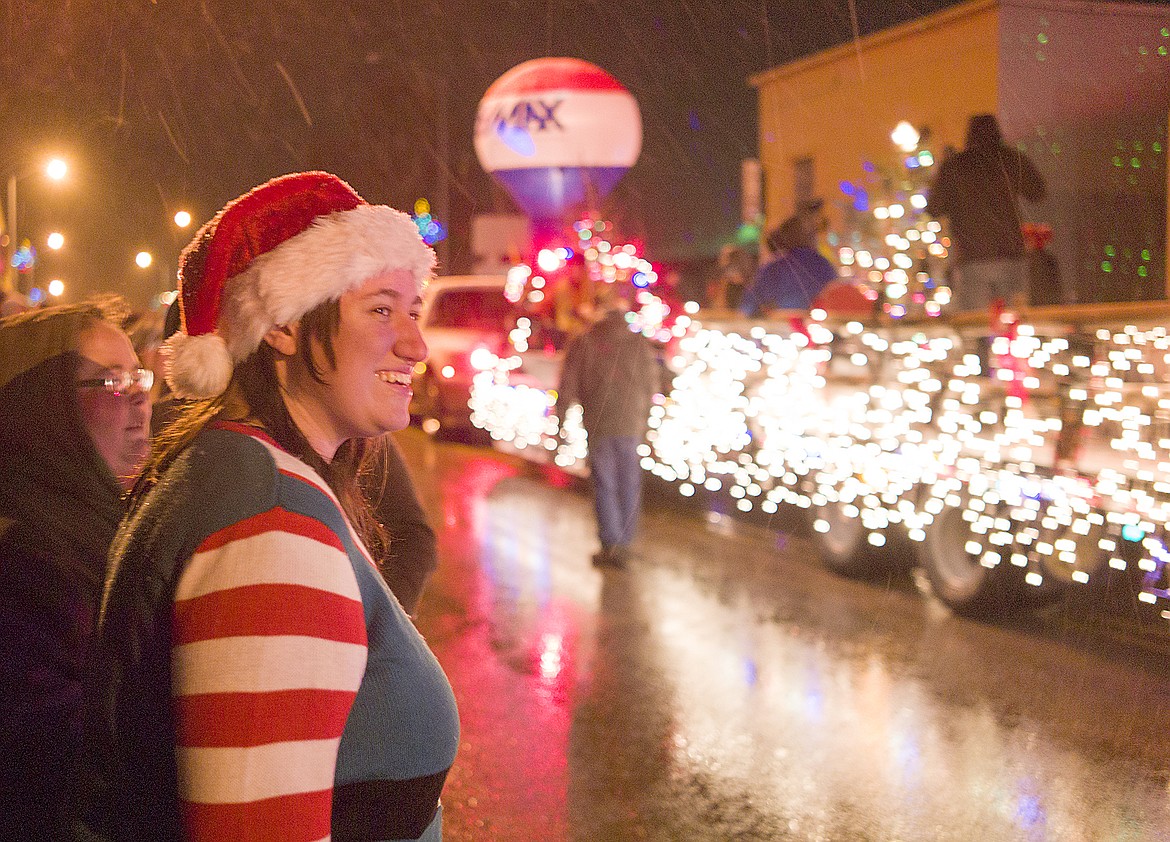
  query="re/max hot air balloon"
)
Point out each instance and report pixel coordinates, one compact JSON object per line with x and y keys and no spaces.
{"x":557,"y":133}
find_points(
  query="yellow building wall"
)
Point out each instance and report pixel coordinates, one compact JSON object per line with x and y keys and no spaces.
{"x":838,"y":107}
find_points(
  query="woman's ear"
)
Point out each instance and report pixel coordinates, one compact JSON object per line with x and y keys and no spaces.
{"x":283,"y":339}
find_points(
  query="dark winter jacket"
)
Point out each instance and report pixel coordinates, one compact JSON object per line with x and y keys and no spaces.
{"x":790,"y":280}
{"x":978,"y":191}
{"x":411,"y":557}
{"x":59,"y":509}
{"x":50,"y":599}
{"x":613,"y":374}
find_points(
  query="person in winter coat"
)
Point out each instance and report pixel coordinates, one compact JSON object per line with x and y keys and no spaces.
{"x":74,"y":417}
{"x":794,"y":276}
{"x":613,"y":374}
{"x":978,"y":190}
{"x":255,"y":677}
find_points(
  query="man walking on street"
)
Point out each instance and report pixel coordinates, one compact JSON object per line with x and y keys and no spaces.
{"x":613,"y":374}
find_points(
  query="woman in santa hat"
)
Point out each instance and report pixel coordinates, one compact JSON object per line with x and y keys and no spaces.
{"x":256,"y":677}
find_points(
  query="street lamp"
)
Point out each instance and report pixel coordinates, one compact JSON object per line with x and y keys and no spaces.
{"x":182,"y":219}
{"x":55,"y":240}
{"x":56,"y":287}
{"x":55,"y":170}
{"x":143,"y":259}
{"x":905,"y":136}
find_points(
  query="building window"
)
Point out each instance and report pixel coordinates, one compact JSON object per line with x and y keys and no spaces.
{"x":803,"y":180}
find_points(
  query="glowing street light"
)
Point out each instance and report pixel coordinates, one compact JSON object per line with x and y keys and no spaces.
{"x":182,"y":219}
{"x":55,"y":169}
{"x":56,"y":287}
{"x":143,"y":259}
{"x":905,"y":137}
{"x":55,"y":240}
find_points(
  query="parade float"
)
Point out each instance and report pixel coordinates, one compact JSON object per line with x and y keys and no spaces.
{"x":1017,"y":453}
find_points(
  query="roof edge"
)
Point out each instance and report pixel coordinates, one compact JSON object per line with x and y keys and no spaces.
{"x":874,"y":39}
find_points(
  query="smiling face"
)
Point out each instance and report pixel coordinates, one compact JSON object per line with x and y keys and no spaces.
{"x":118,"y":425}
{"x":367,"y":391}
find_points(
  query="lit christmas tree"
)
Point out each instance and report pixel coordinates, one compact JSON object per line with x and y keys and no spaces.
{"x":890,"y":246}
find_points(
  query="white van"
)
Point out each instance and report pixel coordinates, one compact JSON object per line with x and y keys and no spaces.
{"x":460,"y":315}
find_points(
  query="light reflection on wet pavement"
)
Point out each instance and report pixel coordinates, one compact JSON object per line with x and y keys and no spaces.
{"x":725,"y":687}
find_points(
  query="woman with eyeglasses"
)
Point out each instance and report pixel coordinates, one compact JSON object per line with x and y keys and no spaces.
{"x":74,"y":421}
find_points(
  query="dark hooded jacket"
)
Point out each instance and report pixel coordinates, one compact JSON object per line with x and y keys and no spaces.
{"x":59,"y":509}
{"x":613,"y":374}
{"x":978,"y":190}
{"x":409,"y":556}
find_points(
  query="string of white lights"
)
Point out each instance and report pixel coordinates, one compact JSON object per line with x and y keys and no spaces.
{"x":1051,"y":441}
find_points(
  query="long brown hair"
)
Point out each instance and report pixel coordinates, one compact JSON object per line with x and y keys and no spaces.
{"x":254,"y":397}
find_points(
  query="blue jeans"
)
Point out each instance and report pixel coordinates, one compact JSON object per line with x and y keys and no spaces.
{"x":617,"y":487}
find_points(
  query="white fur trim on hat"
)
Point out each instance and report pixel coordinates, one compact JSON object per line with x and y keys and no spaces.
{"x":197,"y":366}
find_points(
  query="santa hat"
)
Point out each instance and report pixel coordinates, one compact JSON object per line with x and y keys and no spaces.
{"x":271,"y":256}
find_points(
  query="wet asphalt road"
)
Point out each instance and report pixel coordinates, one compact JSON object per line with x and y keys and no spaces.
{"x":725,"y":687}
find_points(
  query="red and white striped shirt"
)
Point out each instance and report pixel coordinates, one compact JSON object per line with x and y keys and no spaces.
{"x":269,"y":649}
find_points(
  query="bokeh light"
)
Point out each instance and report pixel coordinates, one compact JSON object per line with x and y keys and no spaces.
{"x":56,"y":169}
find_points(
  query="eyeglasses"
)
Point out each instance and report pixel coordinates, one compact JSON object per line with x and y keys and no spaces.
{"x":120,"y":384}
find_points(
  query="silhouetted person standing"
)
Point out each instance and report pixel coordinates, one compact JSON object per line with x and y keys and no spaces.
{"x":978,"y":190}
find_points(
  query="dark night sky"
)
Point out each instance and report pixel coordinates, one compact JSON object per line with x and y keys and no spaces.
{"x":167,"y":104}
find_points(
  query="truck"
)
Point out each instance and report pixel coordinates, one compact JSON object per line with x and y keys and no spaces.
{"x":1018,"y":454}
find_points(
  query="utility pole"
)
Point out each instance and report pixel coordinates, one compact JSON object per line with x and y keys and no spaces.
{"x":10,"y":226}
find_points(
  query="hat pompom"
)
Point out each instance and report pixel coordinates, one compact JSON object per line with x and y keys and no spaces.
{"x":197,"y":366}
